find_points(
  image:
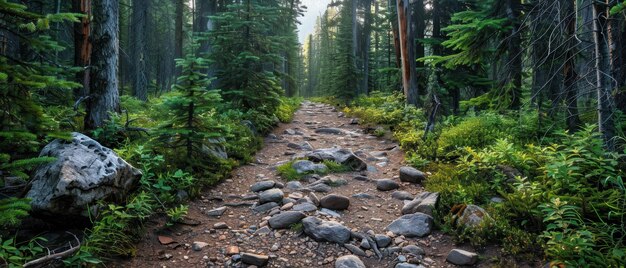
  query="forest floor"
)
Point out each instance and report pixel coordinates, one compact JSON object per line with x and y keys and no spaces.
{"x":244,"y":232}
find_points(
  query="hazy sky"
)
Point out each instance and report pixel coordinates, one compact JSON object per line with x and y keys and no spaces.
{"x":314,"y":8}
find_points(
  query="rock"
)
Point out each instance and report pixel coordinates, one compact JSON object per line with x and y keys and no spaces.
{"x":386,"y":185}
{"x":305,"y":146}
{"x":287,"y":206}
{"x":365,"y":244}
{"x":265,"y":207}
{"x":263,"y":231}
{"x":216,"y":212}
{"x":262,"y":186}
{"x":361,"y":178}
{"x":330,"y":213}
{"x":408,"y":265}
{"x":255,"y":259}
{"x":294,"y":185}
{"x":497,"y":199}
{"x":412,"y":225}
{"x":354,"y":121}
{"x":220,"y":225}
{"x":306,"y":166}
{"x":332,"y":131}
{"x":349,"y":261}
{"x":271,"y":195}
{"x":319,"y":187}
{"x":363,"y":196}
{"x":83,"y":174}
{"x":414,"y":250}
{"x":344,"y":157}
{"x":289,"y":131}
{"x":232,"y":250}
{"x":306,"y":207}
{"x":462,"y":257}
{"x":335,"y":202}
{"x":165,"y":240}
{"x":325,"y":231}
{"x":473,"y":216}
{"x":314,"y":198}
{"x":402,"y":195}
{"x":382,"y":240}
{"x":285,"y":219}
{"x":198,"y":246}
{"x":412,"y":175}
{"x":355,"y":250}
{"x":424,"y":202}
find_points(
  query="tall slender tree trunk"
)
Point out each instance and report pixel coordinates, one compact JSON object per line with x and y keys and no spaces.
{"x":513,"y":78}
{"x":367,"y":35}
{"x":617,"y":45}
{"x":355,"y":40}
{"x":605,"y":112}
{"x":82,"y":46}
{"x":569,"y":68}
{"x":409,"y":79}
{"x":103,"y":83}
{"x":418,"y":28}
{"x":178,"y":32}
{"x":139,"y":48}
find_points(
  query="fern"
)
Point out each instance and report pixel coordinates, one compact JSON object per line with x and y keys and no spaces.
{"x":12,"y":210}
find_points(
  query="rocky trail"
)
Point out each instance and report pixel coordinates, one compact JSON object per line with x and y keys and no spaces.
{"x":351,"y":219}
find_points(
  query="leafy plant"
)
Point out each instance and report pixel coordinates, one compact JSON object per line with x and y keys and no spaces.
{"x":175,"y":214}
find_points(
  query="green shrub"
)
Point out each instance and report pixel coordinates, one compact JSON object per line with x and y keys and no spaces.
{"x":287,"y":108}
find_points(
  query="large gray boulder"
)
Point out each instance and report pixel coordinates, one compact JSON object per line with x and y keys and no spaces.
{"x":412,"y":225}
{"x":409,"y":174}
{"x":325,"y":231}
{"x":306,"y":166}
{"x":342,"y":156}
{"x":271,"y":195}
{"x":474,"y":216}
{"x":83,"y":174}
{"x":285,"y":219}
{"x":462,"y":257}
{"x":424,"y":202}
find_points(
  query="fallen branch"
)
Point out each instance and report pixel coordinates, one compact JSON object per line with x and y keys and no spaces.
{"x":55,"y":256}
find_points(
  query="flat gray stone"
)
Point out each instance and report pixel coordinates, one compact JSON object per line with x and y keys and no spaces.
{"x":285,"y":219}
{"x":382,"y":240}
{"x":414,"y":250}
{"x":386,"y":185}
{"x":264,"y":207}
{"x":262,"y":186}
{"x":325,"y":231}
{"x":355,"y":250}
{"x":335,"y":202}
{"x":255,"y":259}
{"x":332,"y":131}
{"x":344,"y":157}
{"x":402,"y":195}
{"x":412,"y":225}
{"x":424,"y":202}
{"x":294,"y":185}
{"x":271,"y":195}
{"x":306,"y":207}
{"x":462,"y":257}
{"x":198,"y":246}
{"x":306,"y":166}
{"x":216,"y":212}
{"x":412,"y":175}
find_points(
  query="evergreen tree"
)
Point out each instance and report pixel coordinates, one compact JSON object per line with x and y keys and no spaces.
{"x":345,"y":71}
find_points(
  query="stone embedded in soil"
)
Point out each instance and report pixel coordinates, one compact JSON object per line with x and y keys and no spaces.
{"x":402,"y":195}
{"x":271,"y":195}
{"x":365,"y":244}
{"x":412,"y":225}
{"x":306,"y":207}
{"x":232,"y":250}
{"x":473,"y":216}
{"x":424,"y":202}
{"x":198,"y":246}
{"x":382,"y":240}
{"x":220,"y":225}
{"x":332,"y":131}
{"x":363,"y":196}
{"x":414,"y":250}
{"x":329,"y":213}
{"x":361,"y":178}
{"x":349,"y":261}
{"x":355,"y":250}
{"x":408,"y":265}
{"x":344,"y":157}
{"x":216,"y":212}
{"x":386,"y":185}
{"x":265,"y":207}
{"x":314,"y":199}
{"x":306,"y":166}
{"x":462,"y":257}
{"x":262,"y":186}
{"x":294,"y":185}
{"x":263,"y":231}
{"x":320,"y":188}
{"x":335,"y":202}
{"x":412,"y":175}
{"x":285,"y":219}
{"x":255,"y":259}
{"x":165,"y":240}
{"x":325,"y":231}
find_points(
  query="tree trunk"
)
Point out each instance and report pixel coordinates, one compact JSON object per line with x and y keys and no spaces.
{"x":139,"y":49}
{"x":178,"y":33}
{"x":617,"y":45}
{"x":409,"y":80}
{"x":82,"y":46}
{"x":418,"y":28}
{"x":513,"y":62}
{"x":103,"y":83}
{"x":605,"y":119}
{"x":355,"y":40}
{"x":367,"y":32}
{"x":569,"y":68}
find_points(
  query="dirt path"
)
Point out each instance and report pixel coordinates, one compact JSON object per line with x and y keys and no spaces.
{"x":369,"y":209}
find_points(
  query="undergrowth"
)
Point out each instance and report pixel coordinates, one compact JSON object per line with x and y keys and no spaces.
{"x":548,"y":192}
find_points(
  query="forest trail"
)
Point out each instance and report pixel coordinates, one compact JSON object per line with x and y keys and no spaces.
{"x":223,"y":239}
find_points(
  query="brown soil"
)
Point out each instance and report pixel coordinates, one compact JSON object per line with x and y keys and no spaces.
{"x":294,"y":248}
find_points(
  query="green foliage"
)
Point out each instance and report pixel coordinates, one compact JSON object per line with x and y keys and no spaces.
{"x":12,"y":210}
{"x":618,"y":8}
{"x":287,"y":108}
{"x":175,"y":214}
{"x":14,"y":254}
{"x":287,"y":172}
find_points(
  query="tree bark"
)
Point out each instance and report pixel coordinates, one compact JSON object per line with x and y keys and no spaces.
{"x":139,"y":48}
{"x":418,"y":28}
{"x":513,"y":78}
{"x":82,"y":46}
{"x":409,"y":79}
{"x":569,"y":69}
{"x":367,"y":32}
{"x":178,"y":33}
{"x":103,"y":83}
{"x":605,"y":119}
